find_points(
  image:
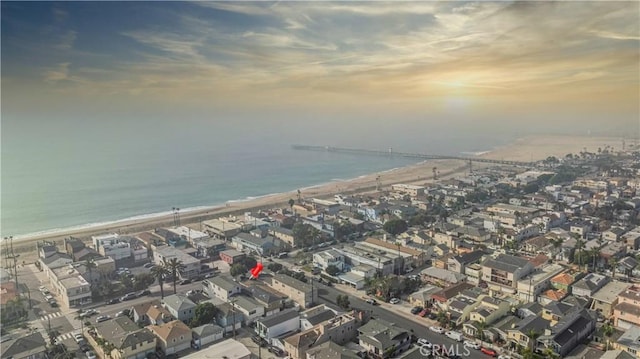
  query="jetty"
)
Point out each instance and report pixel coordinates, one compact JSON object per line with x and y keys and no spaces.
{"x":391,"y":153}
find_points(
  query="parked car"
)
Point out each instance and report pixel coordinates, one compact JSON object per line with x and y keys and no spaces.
{"x":489,"y":352}
{"x":371,"y":301}
{"x":185,"y":281}
{"x":149,"y":265}
{"x":424,"y":312}
{"x":90,"y":355}
{"x":437,"y":330}
{"x":113,"y":301}
{"x":394,"y":301}
{"x":102,"y":318}
{"x":277,"y":351}
{"x":502,"y":356}
{"x":144,"y":292}
{"x":209,"y":275}
{"x":424,"y":343}
{"x":122,"y":313}
{"x":416,"y":310}
{"x":432,"y":316}
{"x":470,"y":344}
{"x":78,"y":338}
{"x":128,"y":296}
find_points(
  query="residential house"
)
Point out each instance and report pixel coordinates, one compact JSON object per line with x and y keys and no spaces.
{"x":441,"y":277}
{"x":206,"y":334}
{"x":632,"y":239}
{"x":328,"y":258}
{"x":441,"y":298}
{"x":129,"y":341}
{"x":606,"y":298}
{"x":562,"y":281}
{"x":627,"y":312}
{"x":173,"y":337}
{"x":209,"y":247}
{"x":613,"y":251}
{"x":589,"y":284}
{"x":565,"y":335}
{"x":180,"y":306}
{"x":340,"y":329}
{"x":30,"y":346}
{"x":488,"y":311}
{"x":284,"y":234}
{"x":302,"y":293}
{"x":459,"y":263}
{"x":222,"y":287}
{"x":228,"y":317}
{"x":555,"y":311}
{"x":232,"y":256}
{"x":249,"y":307}
{"x":263,"y":246}
{"x":629,"y":341}
{"x":272,"y":300}
{"x":331,"y":350}
{"x":166,"y":253}
{"x":518,"y":335}
{"x":382,"y":339}
{"x":531,"y":286}
{"x":424,"y":297}
{"x":151,"y":313}
{"x":536,"y":244}
{"x":229,"y":348}
{"x":287,"y":321}
{"x":613,"y":234}
{"x":74,"y":290}
{"x":504,"y":272}
{"x":316,"y":315}
{"x":222,"y":228}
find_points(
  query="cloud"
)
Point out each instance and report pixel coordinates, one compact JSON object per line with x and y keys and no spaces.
{"x":57,"y":73}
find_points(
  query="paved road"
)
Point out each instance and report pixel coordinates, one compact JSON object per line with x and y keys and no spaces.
{"x":328,"y":295}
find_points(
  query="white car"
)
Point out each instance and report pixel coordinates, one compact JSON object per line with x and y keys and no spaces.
{"x":473,"y":345}
{"x":424,"y":343}
{"x":502,"y":356}
{"x":394,"y":301}
{"x":43,"y":289}
{"x":91,"y":355}
{"x":437,"y":330}
{"x":78,"y":337}
{"x":102,"y":318}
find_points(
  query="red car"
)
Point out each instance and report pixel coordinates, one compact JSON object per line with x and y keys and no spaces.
{"x":489,"y":352}
{"x":424,"y":312}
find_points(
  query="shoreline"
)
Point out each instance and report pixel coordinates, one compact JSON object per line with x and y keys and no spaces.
{"x":527,"y":148}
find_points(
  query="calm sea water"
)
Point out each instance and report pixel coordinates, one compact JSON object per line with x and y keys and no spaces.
{"x":63,"y":174}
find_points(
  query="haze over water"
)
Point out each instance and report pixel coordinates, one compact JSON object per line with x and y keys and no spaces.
{"x":117,"y":109}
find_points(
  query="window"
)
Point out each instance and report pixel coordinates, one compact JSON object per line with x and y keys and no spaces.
{"x":174,"y":340}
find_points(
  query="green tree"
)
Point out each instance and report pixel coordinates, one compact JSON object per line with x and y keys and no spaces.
{"x":274,"y":267}
{"x":332,"y":270}
{"x":607,"y":330}
{"x":175,"y":267}
{"x":303,"y":234}
{"x":343,"y":301}
{"x":91,"y":265}
{"x":160,"y":272}
{"x":249,"y":263}
{"x":237,"y":269}
{"x":395,"y":226}
{"x":291,"y":203}
{"x":205,"y":313}
{"x":533,"y":335}
{"x":143,"y":280}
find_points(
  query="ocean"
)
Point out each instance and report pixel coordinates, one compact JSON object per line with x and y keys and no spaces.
{"x":55,"y":176}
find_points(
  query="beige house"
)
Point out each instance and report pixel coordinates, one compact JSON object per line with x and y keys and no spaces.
{"x":627,"y":312}
{"x":302,"y":293}
{"x":129,"y":340}
{"x":173,"y":337}
{"x":503,"y":272}
{"x":340,"y":330}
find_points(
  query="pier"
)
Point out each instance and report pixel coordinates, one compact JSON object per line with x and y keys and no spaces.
{"x":391,"y":153}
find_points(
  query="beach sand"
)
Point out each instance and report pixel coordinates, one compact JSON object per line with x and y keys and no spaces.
{"x":525,"y":149}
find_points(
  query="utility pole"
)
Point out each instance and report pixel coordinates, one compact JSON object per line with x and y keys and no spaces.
{"x":233,"y":311}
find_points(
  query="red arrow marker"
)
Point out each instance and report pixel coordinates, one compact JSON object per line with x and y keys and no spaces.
{"x":255,"y":272}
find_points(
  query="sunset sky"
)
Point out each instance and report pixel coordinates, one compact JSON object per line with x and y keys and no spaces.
{"x":480,"y":57}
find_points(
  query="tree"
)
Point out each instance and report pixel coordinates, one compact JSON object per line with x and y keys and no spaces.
{"x":291,"y":203}
{"x":249,"y":263}
{"x":212,"y":251}
{"x":159,"y":272}
{"x":343,"y":301}
{"x":90,"y":264}
{"x":607,"y":330}
{"x":303,"y":234}
{"x":274,"y":267}
{"x":237,"y":269}
{"x":395,"y":226}
{"x":205,"y":313}
{"x":332,"y":270}
{"x":143,"y":280}
{"x":533,"y":335}
{"x":175,"y":267}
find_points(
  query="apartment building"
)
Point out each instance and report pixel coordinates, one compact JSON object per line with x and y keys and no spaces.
{"x":627,"y":312}
{"x":165,"y":253}
{"x":340,"y":330}
{"x":382,"y":340}
{"x":504,"y":272}
{"x":302,"y":293}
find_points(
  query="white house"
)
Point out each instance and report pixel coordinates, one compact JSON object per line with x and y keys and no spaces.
{"x":327,"y":258}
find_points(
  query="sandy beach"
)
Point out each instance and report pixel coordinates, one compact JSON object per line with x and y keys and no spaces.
{"x":525,"y":149}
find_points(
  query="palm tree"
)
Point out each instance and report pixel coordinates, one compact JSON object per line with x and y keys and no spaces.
{"x":595,"y":254}
{"x":482,"y":325}
{"x":607,"y":330}
{"x":579,"y":250}
{"x":175,"y":267}
{"x":90,"y":264}
{"x":291,"y":203}
{"x":533,"y":335}
{"x":614,"y":265}
{"x":159,"y":272}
